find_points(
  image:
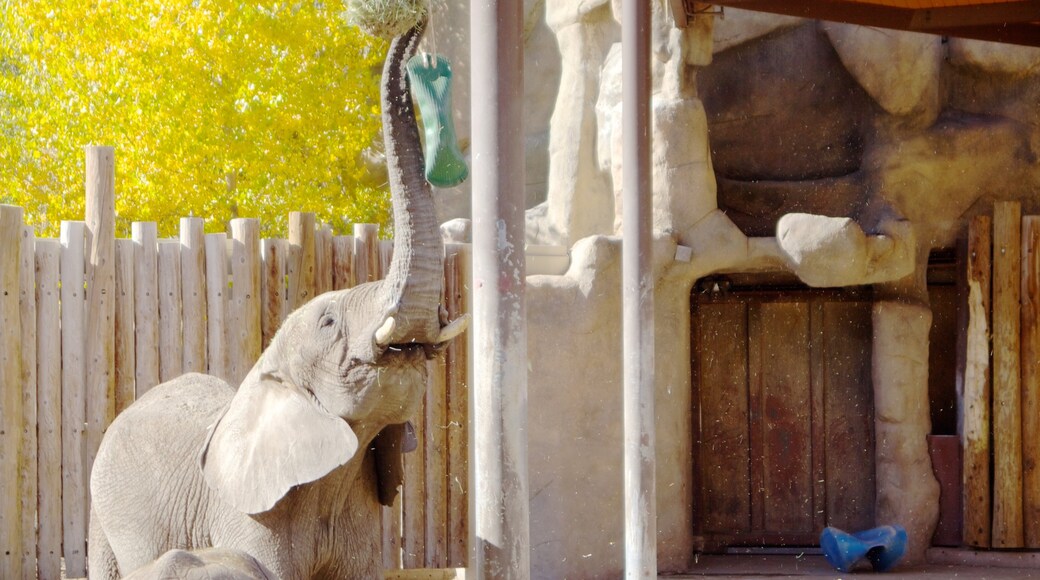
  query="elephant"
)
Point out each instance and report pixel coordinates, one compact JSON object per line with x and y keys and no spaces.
{"x":205,"y":564}
{"x":291,"y":467}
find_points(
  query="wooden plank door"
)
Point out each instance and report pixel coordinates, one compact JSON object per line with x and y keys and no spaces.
{"x":780,"y":421}
{"x":784,"y":418}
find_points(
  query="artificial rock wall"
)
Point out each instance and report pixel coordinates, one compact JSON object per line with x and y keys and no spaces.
{"x":839,"y":153}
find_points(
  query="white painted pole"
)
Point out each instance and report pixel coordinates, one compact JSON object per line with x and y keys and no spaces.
{"x":500,"y":542}
{"x":638,"y":292}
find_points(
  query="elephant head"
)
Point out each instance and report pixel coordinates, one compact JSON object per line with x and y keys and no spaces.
{"x":349,"y":363}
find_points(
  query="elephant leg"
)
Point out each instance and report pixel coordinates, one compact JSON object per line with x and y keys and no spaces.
{"x":101,"y":563}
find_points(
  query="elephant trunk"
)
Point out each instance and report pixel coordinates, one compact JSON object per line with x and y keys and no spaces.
{"x":415,"y":278}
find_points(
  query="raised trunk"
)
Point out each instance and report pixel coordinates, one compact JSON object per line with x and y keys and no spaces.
{"x":415,"y":279}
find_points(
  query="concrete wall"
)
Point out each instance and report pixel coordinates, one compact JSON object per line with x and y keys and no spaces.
{"x":839,"y":153}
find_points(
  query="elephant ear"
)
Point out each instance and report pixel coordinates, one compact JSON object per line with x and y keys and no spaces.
{"x":272,"y":437}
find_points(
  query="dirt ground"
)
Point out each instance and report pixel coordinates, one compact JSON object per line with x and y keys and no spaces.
{"x":773,"y":567}
{"x":814,"y":566}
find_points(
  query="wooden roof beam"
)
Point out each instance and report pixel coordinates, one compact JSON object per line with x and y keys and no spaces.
{"x":1015,"y":22}
{"x":1023,"y":33}
{"x":976,"y":15}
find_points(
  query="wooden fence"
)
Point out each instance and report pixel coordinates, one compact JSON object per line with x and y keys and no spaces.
{"x":88,"y":322}
{"x":1001,"y":398}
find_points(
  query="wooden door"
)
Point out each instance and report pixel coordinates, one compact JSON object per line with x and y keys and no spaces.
{"x":783,"y":413}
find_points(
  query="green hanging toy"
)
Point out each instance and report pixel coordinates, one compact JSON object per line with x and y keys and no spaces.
{"x":430,"y":76}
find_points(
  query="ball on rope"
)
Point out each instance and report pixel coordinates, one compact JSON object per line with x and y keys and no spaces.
{"x":386,"y":18}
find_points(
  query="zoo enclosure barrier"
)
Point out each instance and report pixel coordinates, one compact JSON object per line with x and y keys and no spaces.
{"x":1000,"y":433}
{"x":89,"y":322}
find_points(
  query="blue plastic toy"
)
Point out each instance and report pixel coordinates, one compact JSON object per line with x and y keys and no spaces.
{"x":882,"y":546}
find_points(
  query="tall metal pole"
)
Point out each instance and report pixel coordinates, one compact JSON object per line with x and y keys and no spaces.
{"x":499,"y":515}
{"x":638,"y":295}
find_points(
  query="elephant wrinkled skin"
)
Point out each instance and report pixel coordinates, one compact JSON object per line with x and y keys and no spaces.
{"x":207,"y":564}
{"x":290,"y":468}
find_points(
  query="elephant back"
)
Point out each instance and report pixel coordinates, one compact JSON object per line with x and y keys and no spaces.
{"x":147,"y":457}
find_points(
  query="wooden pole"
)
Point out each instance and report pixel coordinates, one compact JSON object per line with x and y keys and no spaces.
{"x":28,"y":468}
{"x":126,"y":358}
{"x":1007,"y":395}
{"x":343,"y":262}
{"x":366,"y":253}
{"x":436,"y":441}
{"x":1031,"y":380}
{"x":48,"y":380}
{"x":193,"y":294}
{"x":393,"y":517}
{"x":73,"y":398}
{"x":392,"y":536}
{"x":101,"y":291}
{"x":11,"y":411}
{"x":301,"y":259}
{"x":244,"y":336}
{"x":456,"y":290}
{"x":386,"y":254}
{"x":216,"y":305}
{"x":500,"y":521}
{"x":146,"y":305}
{"x":273,"y":288}
{"x":977,"y":392}
{"x":171,"y":343}
{"x":413,"y":496}
{"x":323,"y":259}
{"x":638,"y":292}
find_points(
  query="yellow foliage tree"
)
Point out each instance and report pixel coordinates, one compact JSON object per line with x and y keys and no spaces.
{"x":216,"y":108}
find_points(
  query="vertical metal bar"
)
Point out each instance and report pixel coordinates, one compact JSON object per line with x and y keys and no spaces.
{"x":638,"y":289}
{"x":500,"y":542}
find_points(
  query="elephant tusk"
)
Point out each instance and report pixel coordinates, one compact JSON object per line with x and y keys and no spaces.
{"x":453,"y":329}
{"x":385,"y":332}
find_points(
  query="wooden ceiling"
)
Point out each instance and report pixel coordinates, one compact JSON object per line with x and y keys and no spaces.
{"x":1010,"y":21}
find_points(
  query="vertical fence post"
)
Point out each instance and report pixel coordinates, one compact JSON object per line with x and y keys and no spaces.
{"x":171,"y":314}
{"x":366,"y":252}
{"x":101,"y":319}
{"x":245,"y":336}
{"x":273,"y":287}
{"x":456,"y":287}
{"x":436,"y":442}
{"x":301,"y":258}
{"x":343,"y":262}
{"x":125,"y":357}
{"x":146,"y":305}
{"x":1007,"y":396}
{"x":323,"y":259}
{"x":193,"y":294}
{"x":1031,"y":379}
{"x":975,"y":436}
{"x":11,"y":412}
{"x":413,"y":497}
{"x":216,"y":304}
{"x":386,"y":254}
{"x":48,"y":379}
{"x":28,"y":468}
{"x":73,"y":403}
